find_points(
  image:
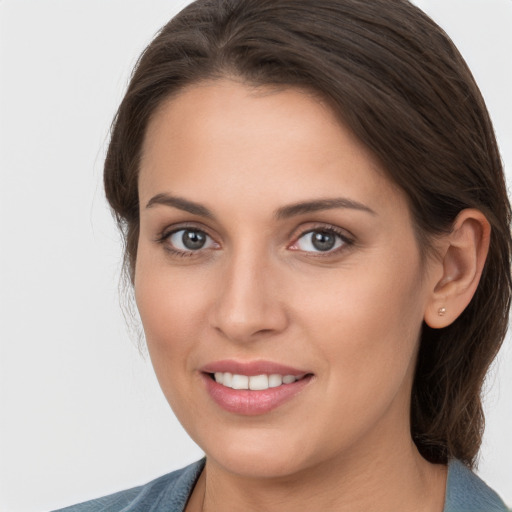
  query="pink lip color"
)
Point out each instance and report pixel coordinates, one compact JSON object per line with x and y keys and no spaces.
{"x":251,"y":368}
{"x":248,"y":402}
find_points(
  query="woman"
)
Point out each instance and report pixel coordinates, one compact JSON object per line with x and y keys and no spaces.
{"x":317,"y":231}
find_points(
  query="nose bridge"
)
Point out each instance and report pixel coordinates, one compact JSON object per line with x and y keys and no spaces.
{"x":248,"y":304}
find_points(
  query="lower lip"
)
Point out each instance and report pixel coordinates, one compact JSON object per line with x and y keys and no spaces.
{"x":252,"y":403}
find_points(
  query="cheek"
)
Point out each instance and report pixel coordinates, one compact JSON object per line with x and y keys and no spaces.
{"x":171,"y":307}
{"x":171,"y":312}
{"x":366,"y":324}
{"x":166,"y":309}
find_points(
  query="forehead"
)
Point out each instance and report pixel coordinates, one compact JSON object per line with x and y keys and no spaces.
{"x":222,"y":111}
{"x":255,"y":141}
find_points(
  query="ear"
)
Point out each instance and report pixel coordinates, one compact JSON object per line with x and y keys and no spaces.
{"x":461,"y":260}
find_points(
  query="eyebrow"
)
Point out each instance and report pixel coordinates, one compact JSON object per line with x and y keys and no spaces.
{"x":285,"y":212}
{"x":180,"y":204}
{"x":320,"y":204}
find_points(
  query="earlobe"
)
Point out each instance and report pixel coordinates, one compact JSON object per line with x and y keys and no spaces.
{"x":462,"y":260}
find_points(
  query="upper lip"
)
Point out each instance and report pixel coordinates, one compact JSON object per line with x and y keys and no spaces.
{"x":251,"y":368}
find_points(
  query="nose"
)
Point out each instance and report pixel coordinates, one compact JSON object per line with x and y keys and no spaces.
{"x":249,"y":306}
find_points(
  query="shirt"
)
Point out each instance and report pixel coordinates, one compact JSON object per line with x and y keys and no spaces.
{"x":465,"y":492}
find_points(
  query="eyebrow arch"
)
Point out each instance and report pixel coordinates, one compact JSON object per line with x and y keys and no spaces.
{"x":284,"y":212}
{"x":321,"y":204}
{"x":180,"y":204}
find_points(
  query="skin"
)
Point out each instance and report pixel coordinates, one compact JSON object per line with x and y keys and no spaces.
{"x":258,"y":291}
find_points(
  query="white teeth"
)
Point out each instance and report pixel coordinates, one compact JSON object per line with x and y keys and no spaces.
{"x":258,"y":382}
{"x":275,"y":380}
{"x":254,"y":382}
{"x":227,"y":380}
{"x":240,"y":382}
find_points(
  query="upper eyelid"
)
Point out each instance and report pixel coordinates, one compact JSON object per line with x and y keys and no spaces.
{"x":320,"y":226}
{"x":293,"y":235}
{"x":179,"y":226}
{"x":165,"y":235}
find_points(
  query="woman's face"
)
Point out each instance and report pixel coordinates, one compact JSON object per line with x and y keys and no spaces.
{"x":271,"y":243}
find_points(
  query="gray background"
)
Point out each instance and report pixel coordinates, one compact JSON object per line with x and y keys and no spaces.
{"x":81,"y":414}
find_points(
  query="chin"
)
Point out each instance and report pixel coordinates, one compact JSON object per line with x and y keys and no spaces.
{"x":258,"y":454}
{"x":263,"y":465}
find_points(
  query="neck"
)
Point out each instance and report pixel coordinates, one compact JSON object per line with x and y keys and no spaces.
{"x":381,"y":470}
{"x":401,"y":480}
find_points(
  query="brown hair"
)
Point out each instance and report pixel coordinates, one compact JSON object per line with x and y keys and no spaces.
{"x":399,"y":83}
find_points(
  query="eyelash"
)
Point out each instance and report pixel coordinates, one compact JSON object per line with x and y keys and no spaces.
{"x":346,"y":241}
{"x":165,"y":236}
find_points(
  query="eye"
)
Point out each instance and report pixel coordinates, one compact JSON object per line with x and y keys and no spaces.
{"x":189,"y":240}
{"x":319,"y":240}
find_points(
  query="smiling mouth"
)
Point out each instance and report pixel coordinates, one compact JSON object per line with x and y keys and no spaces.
{"x":255,"y":388}
{"x":254,"y":382}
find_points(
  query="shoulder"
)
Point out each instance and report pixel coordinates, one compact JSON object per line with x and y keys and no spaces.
{"x":466,"y":492}
{"x":167,"y":493}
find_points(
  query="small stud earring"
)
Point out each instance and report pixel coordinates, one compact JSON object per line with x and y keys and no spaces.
{"x":441,"y":311}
